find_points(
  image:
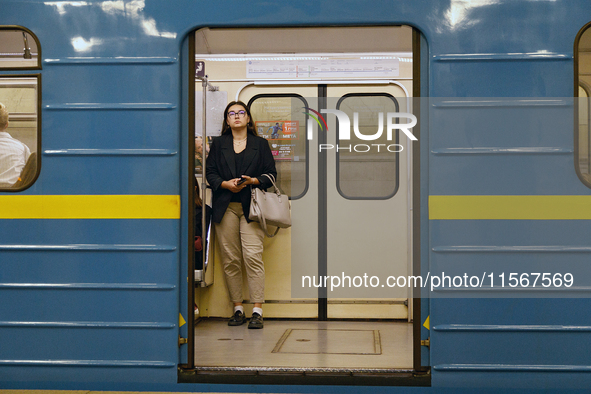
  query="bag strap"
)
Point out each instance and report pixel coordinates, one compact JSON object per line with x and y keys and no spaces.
{"x":263,"y":222}
{"x":272,"y":179}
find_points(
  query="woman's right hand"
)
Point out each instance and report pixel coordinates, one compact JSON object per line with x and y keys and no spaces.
{"x":233,"y":186}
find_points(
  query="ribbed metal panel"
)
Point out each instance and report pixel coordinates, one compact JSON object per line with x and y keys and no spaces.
{"x":492,"y":57}
{"x":502,"y":124}
{"x":110,"y":152}
{"x":85,"y":61}
{"x":90,"y":298}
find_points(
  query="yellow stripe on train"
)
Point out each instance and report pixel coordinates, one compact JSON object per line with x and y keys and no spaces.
{"x":510,"y":207}
{"x":90,"y":207}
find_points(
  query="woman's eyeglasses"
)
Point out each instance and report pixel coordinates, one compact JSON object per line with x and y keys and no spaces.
{"x":239,"y":114}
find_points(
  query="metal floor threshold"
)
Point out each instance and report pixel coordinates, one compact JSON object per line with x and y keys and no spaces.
{"x":301,"y":370}
{"x":304,"y":376}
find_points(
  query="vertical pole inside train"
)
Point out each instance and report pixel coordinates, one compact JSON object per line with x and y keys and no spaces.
{"x":322,"y":213}
{"x":191,"y":206}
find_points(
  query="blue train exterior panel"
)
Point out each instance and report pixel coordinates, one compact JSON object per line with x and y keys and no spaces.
{"x":122,"y":93}
{"x":89,"y":298}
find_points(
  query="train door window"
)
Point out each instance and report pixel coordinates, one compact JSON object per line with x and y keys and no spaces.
{"x":18,"y":49}
{"x":285,"y":131}
{"x":368,"y":169}
{"x":583,"y":91}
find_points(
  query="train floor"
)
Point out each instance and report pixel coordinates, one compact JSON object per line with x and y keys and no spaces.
{"x":284,"y":345}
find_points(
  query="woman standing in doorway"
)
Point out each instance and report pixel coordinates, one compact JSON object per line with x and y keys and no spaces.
{"x":237,"y":161}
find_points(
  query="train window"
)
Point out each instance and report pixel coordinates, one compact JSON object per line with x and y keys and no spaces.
{"x":583,"y":91}
{"x":285,"y":130}
{"x":18,"y":49}
{"x":368,"y":169}
{"x":19,"y":131}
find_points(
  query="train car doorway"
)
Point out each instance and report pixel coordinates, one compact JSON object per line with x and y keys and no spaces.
{"x":351,"y":204}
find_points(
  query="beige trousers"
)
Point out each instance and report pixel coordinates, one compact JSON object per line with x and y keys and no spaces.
{"x":241,"y":241}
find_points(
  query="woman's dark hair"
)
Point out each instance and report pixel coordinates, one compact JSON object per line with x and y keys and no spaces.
{"x":249,"y":126}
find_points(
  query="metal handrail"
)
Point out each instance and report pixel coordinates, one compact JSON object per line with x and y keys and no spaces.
{"x":206,"y":86}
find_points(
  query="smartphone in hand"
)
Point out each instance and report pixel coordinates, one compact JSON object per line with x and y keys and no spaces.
{"x":240,"y":182}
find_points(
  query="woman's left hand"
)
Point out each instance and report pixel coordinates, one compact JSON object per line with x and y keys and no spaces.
{"x":250,"y":180}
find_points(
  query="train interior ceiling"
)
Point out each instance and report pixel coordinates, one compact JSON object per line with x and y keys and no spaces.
{"x":361,"y":196}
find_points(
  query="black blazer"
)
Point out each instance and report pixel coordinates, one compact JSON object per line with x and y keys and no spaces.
{"x":221,"y":166}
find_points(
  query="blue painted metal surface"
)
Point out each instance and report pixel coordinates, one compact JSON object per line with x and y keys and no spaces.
{"x":111,"y":85}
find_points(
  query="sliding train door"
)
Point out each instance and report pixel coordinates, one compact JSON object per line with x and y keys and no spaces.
{"x":368,"y":216}
{"x":280,"y":117}
{"x":350,"y":201}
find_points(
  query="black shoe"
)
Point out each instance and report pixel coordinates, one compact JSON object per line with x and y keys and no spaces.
{"x":238,"y":319}
{"x":256,"y":321}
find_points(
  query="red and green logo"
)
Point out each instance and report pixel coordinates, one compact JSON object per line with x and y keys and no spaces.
{"x":316,"y":118}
